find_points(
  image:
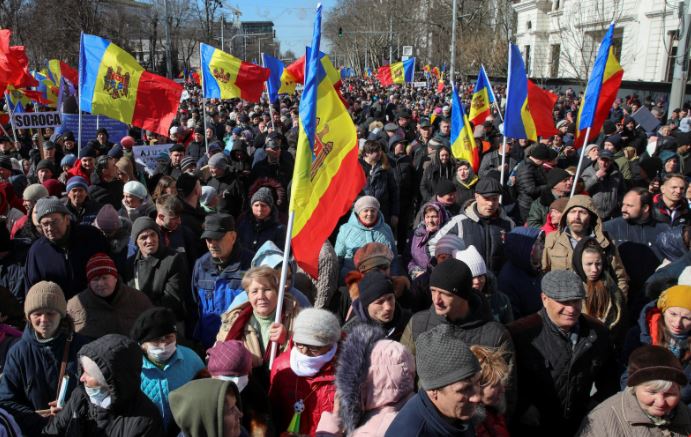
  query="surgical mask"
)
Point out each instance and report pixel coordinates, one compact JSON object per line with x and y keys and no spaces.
{"x":304,"y":365}
{"x":161,"y":354}
{"x":240,"y":381}
{"x":99,"y":396}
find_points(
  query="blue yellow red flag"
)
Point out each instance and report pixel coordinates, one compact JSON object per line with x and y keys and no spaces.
{"x":482,"y":98}
{"x":226,"y":77}
{"x":463,"y":144}
{"x":397,"y":73}
{"x":273,"y":83}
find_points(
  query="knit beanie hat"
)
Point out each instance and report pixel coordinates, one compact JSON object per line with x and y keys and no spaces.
{"x":365,"y":202}
{"x":34,"y":192}
{"x":187,"y":162}
{"x":444,"y":187}
{"x":100,"y":264}
{"x":453,"y":276}
{"x":153,"y":323}
{"x":45,"y":295}
{"x":263,"y":195}
{"x":229,"y":358}
{"x":563,"y":285}
{"x":372,"y":255}
{"x":677,"y":296}
{"x":316,"y":327}
{"x":448,"y":244}
{"x":68,"y":160}
{"x":186,"y":183}
{"x":218,"y":161}
{"x":555,"y":176}
{"x":49,"y":205}
{"x":559,"y":204}
{"x":107,"y":219}
{"x":136,"y":189}
{"x":372,"y":286}
{"x":142,"y":224}
{"x":87,"y":152}
{"x":45,"y":164}
{"x":77,"y":181}
{"x":472,"y":258}
{"x":442,"y":358}
{"x":650,"y":363}
{"x":127,"y":142}
{"x":208,"y":194}
{"x":54,"y":187}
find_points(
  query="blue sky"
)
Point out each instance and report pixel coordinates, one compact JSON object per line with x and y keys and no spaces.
{"x":293,"y":19}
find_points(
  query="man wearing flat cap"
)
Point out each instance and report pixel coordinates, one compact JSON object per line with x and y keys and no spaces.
{"x":560,"y":354}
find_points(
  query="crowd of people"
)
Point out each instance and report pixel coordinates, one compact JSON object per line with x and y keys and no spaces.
{"x":142,"y":301}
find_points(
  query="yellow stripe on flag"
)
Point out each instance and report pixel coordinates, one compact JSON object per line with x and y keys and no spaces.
{"x":397,"y":72}
{"x":225,"y":69}
{"x":115,"y":91}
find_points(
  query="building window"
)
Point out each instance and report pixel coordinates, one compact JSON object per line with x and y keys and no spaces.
{"x":529,"y":24}
{"x":554,"y":67}
{"x":527,"y":60}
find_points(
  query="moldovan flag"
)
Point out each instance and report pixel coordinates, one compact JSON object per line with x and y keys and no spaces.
{"x":295,"y":72}
{"x":113,"y":84}
{"x":273,"y":83}
{"x":462,"y":140}
{"x":528,"y":107}
{"x":226,"y":77}
{"x":58,"y":69}
{"x":602,"y":89}
{"x":327,"y":175}
{"x":482,"y":98}
{"x":396,"y":73}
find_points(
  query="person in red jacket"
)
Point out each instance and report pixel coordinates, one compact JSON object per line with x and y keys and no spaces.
{"x":302,"y":377}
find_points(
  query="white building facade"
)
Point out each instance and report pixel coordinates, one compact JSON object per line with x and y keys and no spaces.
{"x":560,"y":38}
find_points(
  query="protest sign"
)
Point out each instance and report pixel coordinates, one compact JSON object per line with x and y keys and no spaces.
{"x":70,"y":122}
{"x":35,"y":120}
{"x":146,"y":155}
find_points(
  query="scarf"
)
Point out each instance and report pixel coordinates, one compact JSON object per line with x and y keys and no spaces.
{"x":306,"y":366}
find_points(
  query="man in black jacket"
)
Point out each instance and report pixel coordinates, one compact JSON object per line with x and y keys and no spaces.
{"x":531,"y":179}
{"x":560,"y":354}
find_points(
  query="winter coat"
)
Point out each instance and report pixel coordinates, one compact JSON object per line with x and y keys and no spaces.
{"x":192,"y":218}
{"x":107,"y":192}
{"x":387,"y":371}
{"x":499,"y":303}
{"x":31,"y":373}
{"x":282,"y":171}
{"x":465,"y":190}
{"x":491,"y":161}
{"x":435,"y":172}
{"x":393,"y":330}
{"x":381,"y":183}
{"x":253,"y":233}
{"x":64,"y":265}
{"x":666,"y":276}
{"x":419,"y":254}
{"x":132,"y":214}
{"x":119,"y":244}
{"x":531,"y":182}
{"x":236,"y":324}
{"x":404,"y":174}
{"x":607,"y":191}
{"x":353,"y":235}
{"x":163,"y":277}
{"x":131,"y":413}
{"x":662,"y":214}
{"x":158,"y":382}
{"x":214,"y":288}
{"x":95,"y":316}
{"x":558,"y":251}
{"x":494,"y":424}
{"x":670,"y":244}
{"x":622,"y":416}
{"x":539,"y":209}
{"x":647,"y":331}
{"x":555,"y":378}
{"x":317,"y":392}
{"x":231,"y":193}
{"x":486,"y":234}
{"x":87,"y":213}
{"x":519,"y":279}
{"x":12,"y":271}
{"x":420,"y":418}
{"x":9,"y":335}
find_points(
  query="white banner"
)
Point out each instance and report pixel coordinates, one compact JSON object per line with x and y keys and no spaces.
{"x":146,"y":155}
{"x":35,"y":120}
{"x":419,"y":84}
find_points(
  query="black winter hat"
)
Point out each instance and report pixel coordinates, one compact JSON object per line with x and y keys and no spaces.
{"x":373,"y":285}
{"x":444,"y":187}
{"x":153,"y":323}
{"x":555,"y":176}
{"x":488,"y":186}
{"x":453,"y":276}
{"x":177,"y":148}
{"x":186,"y":183}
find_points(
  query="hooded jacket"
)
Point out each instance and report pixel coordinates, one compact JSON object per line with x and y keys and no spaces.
{"x":607,"y":191}
{"x":353,"y":235}
{"x":558,"y":252}
{"x":465,"y":190}
{"x":374,"y":379}
{"x":435,"y":172}
{"x":130,"y":413}
{"x":381,"y":183}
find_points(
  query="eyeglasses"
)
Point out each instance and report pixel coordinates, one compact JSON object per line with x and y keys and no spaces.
{"x":307,"y":349}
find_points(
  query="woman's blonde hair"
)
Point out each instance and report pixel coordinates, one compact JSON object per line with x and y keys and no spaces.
{"x":493,"y":367}
{"x":263,"y":274}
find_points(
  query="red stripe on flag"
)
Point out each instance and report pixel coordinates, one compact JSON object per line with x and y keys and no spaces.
{"x":384,"y":75}
{"x":541,"y":104}
{"x":297,"y":70}
{"x":157,"y":103}
{"x":250,"y":80}
{"x":608,"y":93}
{"x":346,"y":184}
{"x":480,"y":118}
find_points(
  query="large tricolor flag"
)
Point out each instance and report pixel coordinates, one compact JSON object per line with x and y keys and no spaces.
{"x":602,"y":88}
{"x":482,"y":99}
{"x":327,"y":176}
{"x":226,"y":77}
{"x":113,"y":84}
{"x":462,"y":140}
{"x":528,"y":107}
{"x":396,"y":73}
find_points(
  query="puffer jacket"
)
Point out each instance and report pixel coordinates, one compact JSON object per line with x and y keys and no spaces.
{"x":662,"y":214}
{"x":387,"y":370}
{"x":158,"y":382}
{"x":531,"y":181}
{"x":606,"y":192}
{"x":318,"y":393}
{"x":622,"y":416}
{"x":519,"y":279}
{"x":381,"y":183}
{"x":671,"y":245}
{"x":419,"y":255}
{"x":486,"y":234}
{"x":558,"y":251}
{"x":667,"y":276}
{"x":130,"y":414}
{"x":30,"y":378}
{"x":214,"y":287}
{"x":435,"y":172}
{"x":555,"y":377}
{"x":353,"y":235}
{"x":253,"y":233}
{"x":420,"y":418}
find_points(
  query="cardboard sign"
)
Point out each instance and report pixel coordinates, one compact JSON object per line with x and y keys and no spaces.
{"x":146,"y":155}
{"x":90,"y":124}
{"x":645,"y":119}
{"x":36,"y":120}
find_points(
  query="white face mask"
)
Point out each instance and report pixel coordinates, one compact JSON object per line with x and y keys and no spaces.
{"x":304,"y":365}
{"x":99,"y":396}
{"x":240,"y":381}
{"x":161,"y":354}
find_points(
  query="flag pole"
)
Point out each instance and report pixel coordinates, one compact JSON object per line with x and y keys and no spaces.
{"x":201,"y":79}
{"x":503,"y":143}
{"x":282,"y":283}
{"x":580,"y":162}
{"x":266,"y":87}
{"x":9,"y":110}
{"x":79,"y":96}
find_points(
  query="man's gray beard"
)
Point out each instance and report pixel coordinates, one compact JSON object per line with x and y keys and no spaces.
{"x":480,"y":413}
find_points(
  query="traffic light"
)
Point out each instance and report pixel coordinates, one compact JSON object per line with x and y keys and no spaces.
{"x":340,"y":32}
{"x":274,"y":33}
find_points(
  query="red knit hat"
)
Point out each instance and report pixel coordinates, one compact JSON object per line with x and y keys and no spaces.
{"x":229,"y":358}
{"x":100,"y":264}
